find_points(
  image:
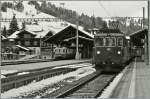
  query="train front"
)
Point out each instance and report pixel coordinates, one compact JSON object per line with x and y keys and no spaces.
{"x":108,"y":52}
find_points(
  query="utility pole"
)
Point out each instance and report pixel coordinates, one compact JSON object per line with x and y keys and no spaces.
{"x":148,"y":32}
{"x":40,"y":46}
{"x":143,"y":17}
{"x":62,"y":16}
{"x":145,"y":41}
{"x":77,"y":43}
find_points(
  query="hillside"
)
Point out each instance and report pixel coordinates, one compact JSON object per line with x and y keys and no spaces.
{"x":34,"y":9}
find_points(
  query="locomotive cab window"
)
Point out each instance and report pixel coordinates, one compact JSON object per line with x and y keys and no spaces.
{"x":120,"y":41}
{"x":110,"y":41}
{"x":99,"y":41}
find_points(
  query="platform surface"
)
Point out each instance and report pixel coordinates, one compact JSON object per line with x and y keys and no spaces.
{"x":135,"y":83}
{"x":142,"y":85}
{"x":40,"y":65}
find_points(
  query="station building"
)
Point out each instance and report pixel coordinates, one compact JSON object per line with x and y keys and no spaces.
{"x":29,"y":42}
{"x":42,"y":43}
{"x":67,"y":38}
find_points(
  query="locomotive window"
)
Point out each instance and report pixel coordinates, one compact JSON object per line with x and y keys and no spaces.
{"x":110,"y":41}
{"x":99,"y":42}
{"x":120,"y":41}
{"x":63,"y":50}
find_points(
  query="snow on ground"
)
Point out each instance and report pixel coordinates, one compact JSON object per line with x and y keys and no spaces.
{"x":7,"y":71}
{"x":4,"y":72}
{"x":22,"y":73}
{"x":109,"y":90}
{"x":34,"y":86}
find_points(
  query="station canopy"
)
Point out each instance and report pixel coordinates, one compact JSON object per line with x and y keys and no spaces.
{"x":137,"y":38}
{"x":139,"y":34}
{"x":68,"y":34}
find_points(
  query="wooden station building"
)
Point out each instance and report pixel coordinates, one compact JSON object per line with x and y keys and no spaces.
{"x":68,"y":38}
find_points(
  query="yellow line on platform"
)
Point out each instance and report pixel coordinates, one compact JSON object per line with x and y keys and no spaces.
{"x":131,"y":93}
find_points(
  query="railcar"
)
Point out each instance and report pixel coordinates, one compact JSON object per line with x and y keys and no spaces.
{"x":111,"y":50}
{"x":64,"y":53}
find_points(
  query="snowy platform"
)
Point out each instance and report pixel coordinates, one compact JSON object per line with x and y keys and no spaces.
{"x":135,"y":83}
{"x":22,"y":67}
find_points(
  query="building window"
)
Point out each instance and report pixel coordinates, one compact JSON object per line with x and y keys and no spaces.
{"x":35,"y":43}
{"x":27,"y":43}
{"x":19,"y":42}
{"x":27,"y":36}
{"x":120,"y":41}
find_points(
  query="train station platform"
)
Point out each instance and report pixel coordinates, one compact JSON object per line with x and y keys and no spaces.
{"x":31,"y":66}
{"x":135,"y":83}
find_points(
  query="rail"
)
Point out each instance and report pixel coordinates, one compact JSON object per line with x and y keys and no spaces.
{"x":20,"y":80}
{"x":81,"y":90}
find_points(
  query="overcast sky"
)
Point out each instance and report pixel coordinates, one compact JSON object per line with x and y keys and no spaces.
{"x":106,"y":8}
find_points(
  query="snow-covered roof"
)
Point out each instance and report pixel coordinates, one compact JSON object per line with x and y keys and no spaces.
{"x":23,"y":47}
{"x":3,"y":37}
{"x":14,"y":35}
{"x":34,"y":28}
{"x":80,"y":28}
{"x":41,"y":34}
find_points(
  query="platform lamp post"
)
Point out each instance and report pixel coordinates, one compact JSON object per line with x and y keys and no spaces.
{"x":77,"y":57}
{"x":40,"y":46}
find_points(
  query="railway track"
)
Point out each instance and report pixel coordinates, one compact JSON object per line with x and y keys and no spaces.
{"x":16,"y":81}
{"x":89,"y":89}
{"x":90,"y":86}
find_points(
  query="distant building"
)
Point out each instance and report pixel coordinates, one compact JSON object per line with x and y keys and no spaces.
{"x":32,"y":42}
{"x":8,"y":51}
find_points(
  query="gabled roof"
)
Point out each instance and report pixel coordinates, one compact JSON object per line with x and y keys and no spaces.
{"x":83,"y":31}
{"x":37,"y":34}
{"x":21,"y":31}
{"x":15,"y":34}
{"x":66,"y":31}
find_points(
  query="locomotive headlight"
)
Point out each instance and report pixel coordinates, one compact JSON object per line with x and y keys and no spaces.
{"x":98,"y":52}
{"x":119,"y":52}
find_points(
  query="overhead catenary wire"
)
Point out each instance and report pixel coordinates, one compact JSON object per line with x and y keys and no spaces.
{"x":104,"y":9}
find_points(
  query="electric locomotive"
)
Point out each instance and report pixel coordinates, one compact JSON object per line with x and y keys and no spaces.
{"x":110,"y":51}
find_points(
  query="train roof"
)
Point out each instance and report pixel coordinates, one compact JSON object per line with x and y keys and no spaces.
{"x":110,"y":31}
